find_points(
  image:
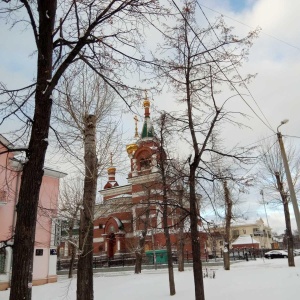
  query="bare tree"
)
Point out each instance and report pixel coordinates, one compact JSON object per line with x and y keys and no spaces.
{"x":86,"y":106}
{"x":273,"y":180}
{"x":173,"y":205}
{"x":166,"y":205}
{"x":227,"y":191}
{"x":144,"y":218}
{"x":85,"y":260}
{"x":70,"y":203}
{"x":198,"y":66}
{"x":181,"y":238}
{"x":82,"y":92}
{"x":93,"y":31}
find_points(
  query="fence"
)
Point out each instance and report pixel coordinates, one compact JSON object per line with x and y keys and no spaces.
{"x":238,"y":254}
{"x":128,"y":259}
{"x":122,"y":260}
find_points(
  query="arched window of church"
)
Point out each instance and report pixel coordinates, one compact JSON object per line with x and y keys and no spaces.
{"x":145,"y":163}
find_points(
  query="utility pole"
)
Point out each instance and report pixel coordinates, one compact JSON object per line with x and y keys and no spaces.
{"x":289,"y":177}
{"x":263,"y":198}
{"x":266,"y":238}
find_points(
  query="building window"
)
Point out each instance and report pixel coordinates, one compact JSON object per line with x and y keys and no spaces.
{"x":101,"y":226}
{"x":53,"y":252}
{"x":145,"y":163}
{"x":39,"y":252}
{"x":61,"y":251}
{"x":235,"y":233}
{"x":2,"y":260}
{"x":221,"y":243}
{"x":256,"y":232}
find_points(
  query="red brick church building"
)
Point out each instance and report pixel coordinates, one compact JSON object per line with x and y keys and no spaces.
{"x":129,"y":209}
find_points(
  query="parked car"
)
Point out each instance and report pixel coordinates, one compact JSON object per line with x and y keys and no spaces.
{"x":296,"y":252}
{"x":276,"y":254}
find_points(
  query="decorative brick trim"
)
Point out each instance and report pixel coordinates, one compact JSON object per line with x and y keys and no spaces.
{"x":114,"y":191}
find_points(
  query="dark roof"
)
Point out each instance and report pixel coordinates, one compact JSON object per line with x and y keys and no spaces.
{"x":147,"y":130}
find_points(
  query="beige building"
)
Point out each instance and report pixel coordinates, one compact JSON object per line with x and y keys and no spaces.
{"x":258,"y":231}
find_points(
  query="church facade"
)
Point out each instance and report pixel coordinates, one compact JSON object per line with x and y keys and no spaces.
{"x":129,"y":210}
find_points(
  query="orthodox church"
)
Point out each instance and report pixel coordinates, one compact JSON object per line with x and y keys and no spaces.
{"x":130,"y":209}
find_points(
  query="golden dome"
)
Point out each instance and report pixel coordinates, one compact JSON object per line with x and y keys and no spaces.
{"x":146,"y":103}
{"x":131,"y":148}
{"x":111,"y":170}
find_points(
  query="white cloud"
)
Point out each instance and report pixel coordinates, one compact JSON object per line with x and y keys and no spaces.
{"x":276,"y":88}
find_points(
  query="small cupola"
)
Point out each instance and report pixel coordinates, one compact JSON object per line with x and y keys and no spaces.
{"x":111,"y":171}
{"x":147,"y":130}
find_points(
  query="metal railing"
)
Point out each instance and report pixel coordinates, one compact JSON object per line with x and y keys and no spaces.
{"x":128,"y":259}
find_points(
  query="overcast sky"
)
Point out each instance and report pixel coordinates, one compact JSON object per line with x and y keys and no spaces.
{"x":275,"y":57}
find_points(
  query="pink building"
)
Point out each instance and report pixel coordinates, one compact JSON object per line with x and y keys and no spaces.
{"x":44,"y":266}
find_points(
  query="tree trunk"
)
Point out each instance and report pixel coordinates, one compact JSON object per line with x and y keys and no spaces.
{"x":141,"y":244}
{"x":289,"y":234}
{"x":165,"y":206}
{"x":194,"y":212}
{"x":153,"y":249}
{"x":72,"y":244}
{"x":72,"y":260}
{"x":169,"y":249}
{"x":85,"y":260}
{"x":138,"y":262}
{"x":139,"y":253}
{"x":290,"y":238}
{"x":23,"y":249}
{"x":72,"y":247}
{"x":228,"y":208}
{"x":180,"y":250}
{"x":197,"y":264}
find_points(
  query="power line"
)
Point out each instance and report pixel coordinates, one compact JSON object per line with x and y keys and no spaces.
{"x":259,"y":141}
{"x":245,"y":85}
{"x":258,"y":158}
{"x":208,"y":52}
{"x":292,"y":136}
{"x":272,"y":36}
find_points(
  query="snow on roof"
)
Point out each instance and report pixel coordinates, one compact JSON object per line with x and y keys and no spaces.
{"x":121,"y":196}
{"x":278,"y":239}
{"x":241,"y":222}
{"x":119,"y":222}
{"x":245,"y":239}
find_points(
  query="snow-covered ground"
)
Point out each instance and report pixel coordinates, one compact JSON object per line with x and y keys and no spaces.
{"x":259,"y":280}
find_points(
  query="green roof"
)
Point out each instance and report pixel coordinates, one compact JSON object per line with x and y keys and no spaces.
{"x":147,"y":130}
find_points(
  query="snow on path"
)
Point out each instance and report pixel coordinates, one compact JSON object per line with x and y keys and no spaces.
{"x":259,"y":280}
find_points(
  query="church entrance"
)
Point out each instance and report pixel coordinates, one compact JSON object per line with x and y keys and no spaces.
{"x":111,"y":245}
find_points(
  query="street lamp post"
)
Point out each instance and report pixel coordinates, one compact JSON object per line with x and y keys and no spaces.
{"x":288,"y":176}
